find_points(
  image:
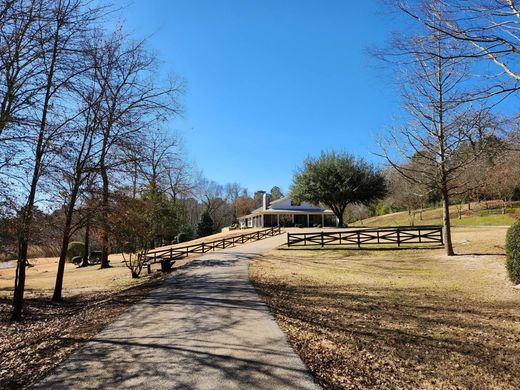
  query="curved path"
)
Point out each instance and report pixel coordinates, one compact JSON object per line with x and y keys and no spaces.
{"x":204,"y":328}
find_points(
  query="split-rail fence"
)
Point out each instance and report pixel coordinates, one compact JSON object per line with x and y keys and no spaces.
{"x":384,"y":235}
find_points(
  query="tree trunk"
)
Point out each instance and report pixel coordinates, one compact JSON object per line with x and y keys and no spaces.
{"x":448,"y":244}
{"x":56,"y":297}
{"x":104,"y":218}
{"x":58,"y":287}
{"x":19,"y":283}
{"x":340,"y":220}
{"x":86,"y":248}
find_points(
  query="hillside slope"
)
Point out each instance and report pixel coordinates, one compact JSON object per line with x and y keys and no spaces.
{"x":488,"y":213}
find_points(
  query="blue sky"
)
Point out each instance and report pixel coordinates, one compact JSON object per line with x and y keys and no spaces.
{"x":270,"y":82}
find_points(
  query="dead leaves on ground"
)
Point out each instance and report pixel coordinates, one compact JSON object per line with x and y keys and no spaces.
{"x":50,"y":332}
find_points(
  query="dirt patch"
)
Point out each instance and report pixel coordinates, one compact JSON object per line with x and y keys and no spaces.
{"x":399,"y":319}
{"x":50,"y":332}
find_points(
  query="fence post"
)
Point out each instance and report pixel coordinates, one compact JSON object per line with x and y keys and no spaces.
{"x":442,"y":235}
{"x":171,"y":253}
{"x":203,"y":251}
{"x":358,"y":234}
{"x":398,"y":238}
{"x":322,"y":243}
{"x":288,"y":241}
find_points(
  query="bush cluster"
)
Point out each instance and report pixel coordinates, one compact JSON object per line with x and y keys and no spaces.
{"x":75,"y":249}
{"x":513,"y":252}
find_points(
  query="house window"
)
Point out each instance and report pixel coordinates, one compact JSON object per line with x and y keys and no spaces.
{"x":293,"y":203}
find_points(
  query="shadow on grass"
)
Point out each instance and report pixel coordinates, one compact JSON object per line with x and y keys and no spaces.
{"x":399,"y":337}
{"x":357,"y":249}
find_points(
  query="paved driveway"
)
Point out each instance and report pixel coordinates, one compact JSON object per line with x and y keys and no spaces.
{"x":204,"y":328}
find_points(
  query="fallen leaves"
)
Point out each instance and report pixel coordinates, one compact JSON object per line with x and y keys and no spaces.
{"x":50,"y":332}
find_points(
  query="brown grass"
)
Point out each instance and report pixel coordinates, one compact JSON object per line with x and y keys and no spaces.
{"x":399,"y":319}
{"x":41,"y":276}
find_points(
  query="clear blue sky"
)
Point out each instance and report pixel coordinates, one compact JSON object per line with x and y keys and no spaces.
{"x":270,"y":82}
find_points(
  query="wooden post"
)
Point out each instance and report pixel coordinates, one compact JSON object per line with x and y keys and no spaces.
{"x":149,"y":268}
{"x":203,"y":251}
{"x":288,"y":241}
{"x":322,"y":243}
{"x":171,"y":253}
{"x":398,"y":238}
{"x":358,"y":234}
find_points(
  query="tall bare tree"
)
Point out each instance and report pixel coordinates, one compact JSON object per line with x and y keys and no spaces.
{"x":134,"y":102}
{"x":63,"y":23}
{"x":437,"y":95}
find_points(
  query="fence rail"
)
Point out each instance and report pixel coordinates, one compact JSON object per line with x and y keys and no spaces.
{"x":385,"y":235}
{"x":173,"y":254}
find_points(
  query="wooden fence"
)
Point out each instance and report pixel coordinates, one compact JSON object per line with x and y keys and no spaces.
{"x":385,"y":235}
{"x":172,"y":254}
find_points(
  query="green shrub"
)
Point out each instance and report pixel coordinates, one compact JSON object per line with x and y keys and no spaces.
{"x":181,"y":237}
{"x":95,"y":256}
{"x":513,"y":252}
{"x":77,"y":260}
{"x":75,"y":249}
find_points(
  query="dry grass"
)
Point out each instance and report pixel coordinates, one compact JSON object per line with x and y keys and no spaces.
{"x":42,"y":275}
{"x":487,"y":213}
{"x":399,"y":319}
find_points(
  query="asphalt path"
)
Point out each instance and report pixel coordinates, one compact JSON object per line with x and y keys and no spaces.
{"x":204,"y":328}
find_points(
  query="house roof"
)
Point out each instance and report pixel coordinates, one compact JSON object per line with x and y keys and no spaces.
{"x":292,"y":210}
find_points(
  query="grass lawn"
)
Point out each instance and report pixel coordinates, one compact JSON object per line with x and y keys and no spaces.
{"x":399,"y":319}
{"x":41,"y":277}
{"x":483,"y":214}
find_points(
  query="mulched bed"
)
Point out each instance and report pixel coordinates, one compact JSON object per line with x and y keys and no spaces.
{"x":50,"y":332}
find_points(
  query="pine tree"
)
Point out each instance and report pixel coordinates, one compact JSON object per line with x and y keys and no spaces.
{"x":205,"y":226}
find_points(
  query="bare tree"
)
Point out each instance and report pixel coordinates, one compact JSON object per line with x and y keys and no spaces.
{"x":63,"y":24}
{"x":79,"y":158}
{"x":488,"y":28}
{"x":437,"y":97}
{"x":159,"y":156}
{"x":406,"y":193}
{"x":134,"y":102}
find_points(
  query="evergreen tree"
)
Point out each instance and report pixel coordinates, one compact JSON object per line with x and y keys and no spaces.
{"x":205,"y":226}
{"x":276,"y":193}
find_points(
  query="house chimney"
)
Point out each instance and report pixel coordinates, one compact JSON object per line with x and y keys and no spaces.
{"x":265,"y":201}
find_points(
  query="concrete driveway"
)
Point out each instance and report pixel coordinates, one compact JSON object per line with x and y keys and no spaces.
{"x":204,"y":328}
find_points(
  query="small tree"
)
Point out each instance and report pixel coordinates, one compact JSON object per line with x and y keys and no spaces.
{"x":205,"y":226}
{"x":276,"y":193}
{"x":337,"y":180}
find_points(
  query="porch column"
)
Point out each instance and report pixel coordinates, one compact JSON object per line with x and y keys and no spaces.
{"x":292,"y":215}
{"x":308,"y":221}
{"x":277,"y":219}
{"x":322,"y":220}
{"x":262,"y":224}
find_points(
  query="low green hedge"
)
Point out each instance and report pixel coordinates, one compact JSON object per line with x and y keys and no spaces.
{"x":75,"y":249}
{"x":513,"y":252}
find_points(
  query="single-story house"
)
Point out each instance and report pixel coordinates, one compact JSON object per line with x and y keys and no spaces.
{"x":284,"y":212}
